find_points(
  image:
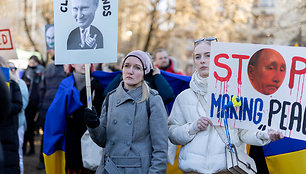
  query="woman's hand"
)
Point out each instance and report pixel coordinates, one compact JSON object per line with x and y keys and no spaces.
{"x":91,"y":118}
{"x":155,"y":70}
{"x":275,"y":135}
{"x":203,"y":123}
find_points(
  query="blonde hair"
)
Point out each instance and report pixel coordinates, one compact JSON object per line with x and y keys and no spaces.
{"x":197,"y":44}
{"x":145,"y":91}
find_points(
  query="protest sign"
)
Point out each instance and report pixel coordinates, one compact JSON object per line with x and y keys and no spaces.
{"x":7,"y":47}
{"x":269,"y":80}
{"x":85,"y":31}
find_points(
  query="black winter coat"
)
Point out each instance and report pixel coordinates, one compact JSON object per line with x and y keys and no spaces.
{"x":8,"y":132}
{"x":52,"y":77}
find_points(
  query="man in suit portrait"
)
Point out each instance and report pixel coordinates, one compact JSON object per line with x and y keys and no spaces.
{"x":85,"y":36}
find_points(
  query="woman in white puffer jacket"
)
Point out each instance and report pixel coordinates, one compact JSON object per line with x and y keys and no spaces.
{"x":203,"y":151}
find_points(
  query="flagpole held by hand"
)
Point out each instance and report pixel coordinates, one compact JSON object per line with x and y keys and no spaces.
{"x":88,"y":86}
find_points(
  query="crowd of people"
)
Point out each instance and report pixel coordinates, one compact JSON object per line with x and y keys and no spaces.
{"x":128,"y":118}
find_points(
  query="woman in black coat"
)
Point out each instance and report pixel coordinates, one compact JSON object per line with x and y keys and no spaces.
{"x":9,"y":128}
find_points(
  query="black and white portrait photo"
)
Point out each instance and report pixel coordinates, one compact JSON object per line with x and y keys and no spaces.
{"x":86,"y":35}
{"x":49,"y":33}
{"x":86,"y":31}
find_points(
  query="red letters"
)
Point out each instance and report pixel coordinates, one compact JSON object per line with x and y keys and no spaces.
{"x":221,"y":65}
{"x":293,"y":71}
{"x":240,"y":57}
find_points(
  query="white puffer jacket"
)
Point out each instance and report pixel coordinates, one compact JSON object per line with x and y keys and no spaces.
{"x":204,"y":151}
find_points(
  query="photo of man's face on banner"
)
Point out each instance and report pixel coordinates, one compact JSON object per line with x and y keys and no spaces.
{"x":49,"y":33}
{"x":266,"y":71}
{"x":86,"y":31}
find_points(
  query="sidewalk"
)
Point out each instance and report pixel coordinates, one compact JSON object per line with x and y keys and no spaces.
{"x":31,"y":162}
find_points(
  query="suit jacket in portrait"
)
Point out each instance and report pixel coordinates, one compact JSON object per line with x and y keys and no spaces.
{"x":74,"y":39}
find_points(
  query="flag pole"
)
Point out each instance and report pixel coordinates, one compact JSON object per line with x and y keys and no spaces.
{"x":88,"y":86}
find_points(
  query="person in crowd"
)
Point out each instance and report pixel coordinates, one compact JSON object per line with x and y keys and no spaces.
{"x":164,"y":62}
{"x":9,"y":127}
{"x":22,"y":124}
{"x":52,"y":77}
{"x":203,"y":151}
{"x":85,"y":36}
{"x":4,"y":110}
{"x":4,"y":98}
{"x":32,"y":77}
{"x":189,"y":69}
{"x":133,"y":124}
{"x":75,"y":124}
{"x":154,"y":79}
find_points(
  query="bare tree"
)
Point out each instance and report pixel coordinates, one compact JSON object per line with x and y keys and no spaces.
{"x":27,"y":28}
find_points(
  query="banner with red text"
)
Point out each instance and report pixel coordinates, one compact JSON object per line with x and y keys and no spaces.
{"x":7,"y":47}
{"x":269,"y":80}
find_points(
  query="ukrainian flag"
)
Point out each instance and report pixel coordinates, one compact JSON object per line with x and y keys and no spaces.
{"x":66,"y":101}
{"x":286,"y":156}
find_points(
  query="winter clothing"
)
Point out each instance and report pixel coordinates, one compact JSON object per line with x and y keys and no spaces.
{"x":134,"y":134}
{"x":202,"y":151}
{"x":32,"y":77}
{"x":22,"y":126}
{"x":8,"y":132}
{"x":52,"y":77}
{"x":143,"y":57}
{"x":157,"y":82}
{"x":25,"y":99}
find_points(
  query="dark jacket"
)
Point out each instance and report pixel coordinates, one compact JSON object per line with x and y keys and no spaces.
{"x":157,"y":82}
{"x":8,"y":132}
{"x":4,"y":98}
{"x":135,"y":141}
{"x":74,"y":39}
{"x":32,"y":77}
{"x":76,"y":126}
{"x":52,"y":77}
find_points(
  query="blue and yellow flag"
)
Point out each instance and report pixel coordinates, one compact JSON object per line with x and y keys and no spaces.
{"x":66,"y":101}
{"x":286,"y":156}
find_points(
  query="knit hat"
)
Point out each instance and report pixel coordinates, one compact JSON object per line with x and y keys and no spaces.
{"x":143,"y":57}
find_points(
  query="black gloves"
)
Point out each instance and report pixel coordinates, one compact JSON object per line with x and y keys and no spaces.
{"x":91,"y":118}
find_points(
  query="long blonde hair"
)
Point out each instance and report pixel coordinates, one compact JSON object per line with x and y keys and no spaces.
{"x":145,"y":91}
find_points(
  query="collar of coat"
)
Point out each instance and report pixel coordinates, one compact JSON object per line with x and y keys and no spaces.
{"x":133,"y":94}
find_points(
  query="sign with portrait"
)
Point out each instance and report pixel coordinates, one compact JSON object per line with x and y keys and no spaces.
{"x":269,"y":80}
{"x":7,"y":47}
{"x":85,"y":31}
{"x":49,"y":36}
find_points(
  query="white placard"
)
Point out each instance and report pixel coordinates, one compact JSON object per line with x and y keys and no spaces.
{"x":85,"y":31}
{"x":270,"y":82}
{"x":7,"y":46}
{"x":49,"y":36}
